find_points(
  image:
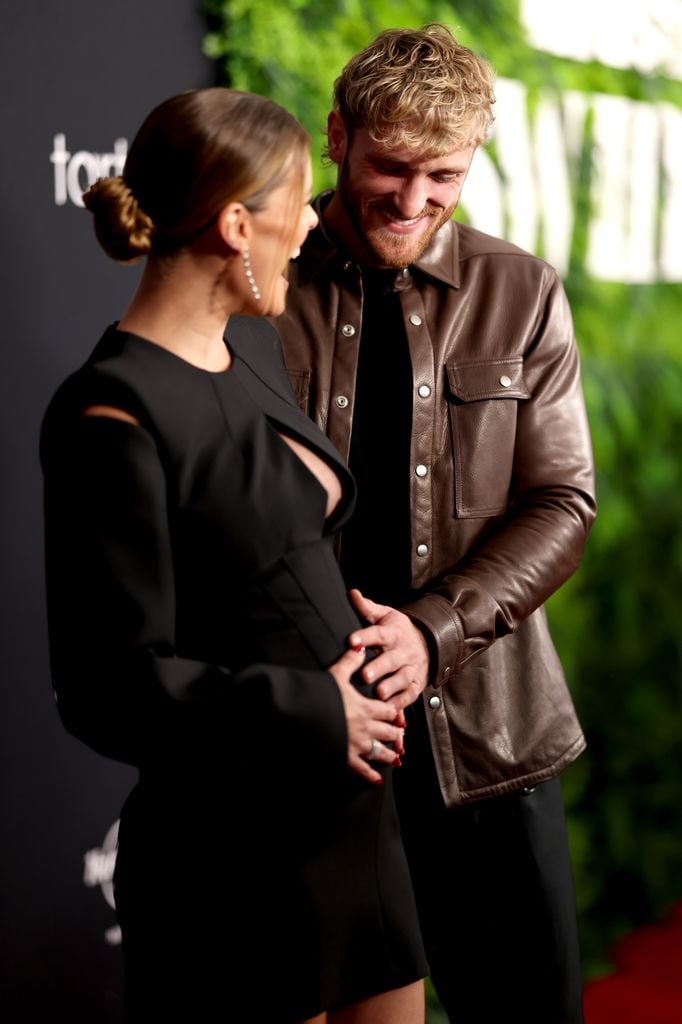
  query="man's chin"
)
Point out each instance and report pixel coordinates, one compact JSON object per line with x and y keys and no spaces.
{"x":397,"y":251}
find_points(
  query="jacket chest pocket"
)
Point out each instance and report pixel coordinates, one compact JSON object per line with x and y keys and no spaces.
{"x":483,"y":402}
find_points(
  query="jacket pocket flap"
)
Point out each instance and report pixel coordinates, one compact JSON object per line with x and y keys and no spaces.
{"x":496,"y":378}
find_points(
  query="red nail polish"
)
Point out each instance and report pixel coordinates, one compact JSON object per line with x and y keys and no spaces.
{"x":378,"y":782}
{"x":397,"y":763}
{"x":359,"y":648}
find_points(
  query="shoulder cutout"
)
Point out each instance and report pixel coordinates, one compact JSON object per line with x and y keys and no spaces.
{"x":111,"y":412}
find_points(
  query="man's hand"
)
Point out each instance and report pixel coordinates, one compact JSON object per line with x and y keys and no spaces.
{"x":404,"y":657}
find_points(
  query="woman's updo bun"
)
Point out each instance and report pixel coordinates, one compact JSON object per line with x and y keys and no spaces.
{"x":122,"y":227}
{"x":193,"y":154}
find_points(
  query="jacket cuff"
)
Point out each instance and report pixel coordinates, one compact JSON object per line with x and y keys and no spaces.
{"x":441,"y":625}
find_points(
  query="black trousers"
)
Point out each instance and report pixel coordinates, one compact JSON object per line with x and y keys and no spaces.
{"x":495,"y":896}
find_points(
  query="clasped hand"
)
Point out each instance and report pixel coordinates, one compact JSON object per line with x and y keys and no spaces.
{"x":402,"y":666}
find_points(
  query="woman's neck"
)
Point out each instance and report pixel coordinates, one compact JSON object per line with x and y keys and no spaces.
{"x":177,"y":308}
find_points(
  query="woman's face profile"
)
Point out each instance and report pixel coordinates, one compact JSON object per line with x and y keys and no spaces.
{"x":279,"y":230}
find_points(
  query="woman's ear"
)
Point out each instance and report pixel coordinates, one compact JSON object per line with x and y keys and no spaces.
{"x":234,"y":226}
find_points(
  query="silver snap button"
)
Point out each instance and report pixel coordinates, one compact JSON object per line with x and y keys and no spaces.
{"x":421,"y":470}
{"x":424,"y":390}
{"x":422,"y":550}
{"x":416,"y":320}
{"x":505,"y":381}
{"x":348,"y":330}
{"x":341,"y":401}
{"x":434,"y":703}
{"x":348,"y":265}
{"x":405,"y":272}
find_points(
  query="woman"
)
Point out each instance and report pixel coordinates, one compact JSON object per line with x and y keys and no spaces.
{"x":198,"y":621}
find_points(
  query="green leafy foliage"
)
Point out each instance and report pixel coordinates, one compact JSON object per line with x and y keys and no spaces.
{"x":616,"y":622}
{"x":616,"y":627}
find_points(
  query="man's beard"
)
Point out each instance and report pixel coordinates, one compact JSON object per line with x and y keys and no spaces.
{"x":387,"y":248}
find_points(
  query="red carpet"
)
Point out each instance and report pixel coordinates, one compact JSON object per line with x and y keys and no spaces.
{"x":646,"y":987}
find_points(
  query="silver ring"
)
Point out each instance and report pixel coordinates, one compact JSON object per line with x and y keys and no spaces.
{"x":375,"y":751}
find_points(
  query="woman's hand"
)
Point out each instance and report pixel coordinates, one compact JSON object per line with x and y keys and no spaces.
{"x":370,"y":723}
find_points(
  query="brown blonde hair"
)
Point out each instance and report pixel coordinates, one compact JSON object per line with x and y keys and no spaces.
{"x":417,"y":88}
{"x":195,"y":153}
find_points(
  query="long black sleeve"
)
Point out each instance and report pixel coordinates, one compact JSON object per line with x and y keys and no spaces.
{"x":121,"y":684}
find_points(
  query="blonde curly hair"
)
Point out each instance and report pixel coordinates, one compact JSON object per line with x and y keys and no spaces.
{"x":418,"y":89}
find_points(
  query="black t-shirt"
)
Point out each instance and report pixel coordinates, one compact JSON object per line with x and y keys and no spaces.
{"x":375,"y":548}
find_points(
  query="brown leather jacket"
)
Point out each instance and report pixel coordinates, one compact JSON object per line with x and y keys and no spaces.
{"x":502,"y":491}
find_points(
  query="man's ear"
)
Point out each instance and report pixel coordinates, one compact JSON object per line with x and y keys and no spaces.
{"x":234,"y":226}
{"x":337,"y":137}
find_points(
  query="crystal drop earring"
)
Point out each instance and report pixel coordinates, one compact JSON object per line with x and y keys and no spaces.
{"x":249,"y":275}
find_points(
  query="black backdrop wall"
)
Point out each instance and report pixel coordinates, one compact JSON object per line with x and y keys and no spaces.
{"x":75,"y":77}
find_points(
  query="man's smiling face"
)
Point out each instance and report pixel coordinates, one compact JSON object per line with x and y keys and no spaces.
{"x":395,"y":198}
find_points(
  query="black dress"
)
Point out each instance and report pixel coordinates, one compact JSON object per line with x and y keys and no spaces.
{"x":194,"y":602}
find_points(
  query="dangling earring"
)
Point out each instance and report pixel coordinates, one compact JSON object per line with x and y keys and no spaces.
{"x":249,"y":275}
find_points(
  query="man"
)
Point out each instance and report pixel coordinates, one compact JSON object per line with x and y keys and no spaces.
{"x":442,"y":364}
